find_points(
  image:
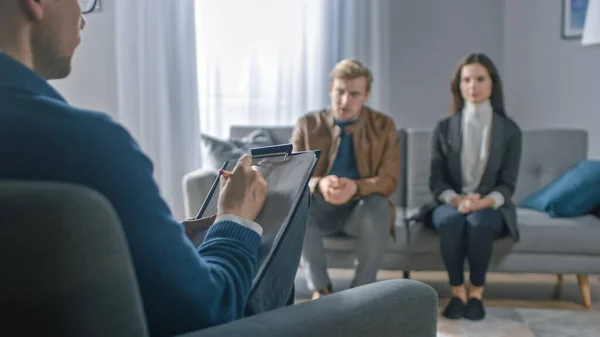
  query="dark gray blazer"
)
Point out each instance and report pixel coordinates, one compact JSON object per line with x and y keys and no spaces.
{"x":500,"y":173}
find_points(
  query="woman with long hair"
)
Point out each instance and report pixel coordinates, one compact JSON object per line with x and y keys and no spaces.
{"x":476,"y":152}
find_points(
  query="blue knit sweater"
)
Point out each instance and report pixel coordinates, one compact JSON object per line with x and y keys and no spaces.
{"x":182,"y":288}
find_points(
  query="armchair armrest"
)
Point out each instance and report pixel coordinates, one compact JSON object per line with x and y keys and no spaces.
{"x":196,"y":185}
{"x":387,"y":308}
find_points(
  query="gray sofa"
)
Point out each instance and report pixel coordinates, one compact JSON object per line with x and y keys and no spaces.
{"x":547,"y":245}
{"x":67,"y":272}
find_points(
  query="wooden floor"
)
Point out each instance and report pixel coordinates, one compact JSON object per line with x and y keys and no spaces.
{"x":521,"y":290}
{"x":517,"y":304}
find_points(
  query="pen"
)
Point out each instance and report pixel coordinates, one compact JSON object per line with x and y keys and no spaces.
{"x":224,"y":173}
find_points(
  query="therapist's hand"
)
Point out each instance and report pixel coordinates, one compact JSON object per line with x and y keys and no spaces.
{"x":243,"y":191}
{"x":193,"y":226}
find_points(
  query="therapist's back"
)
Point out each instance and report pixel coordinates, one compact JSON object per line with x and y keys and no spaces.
{"x":44,"y":138}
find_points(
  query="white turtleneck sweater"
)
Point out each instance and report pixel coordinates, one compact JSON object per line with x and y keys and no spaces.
{"x":476,"y":130}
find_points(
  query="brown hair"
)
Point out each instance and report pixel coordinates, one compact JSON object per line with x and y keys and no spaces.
{"x":497,"y":96}
{"x":350,"y":69}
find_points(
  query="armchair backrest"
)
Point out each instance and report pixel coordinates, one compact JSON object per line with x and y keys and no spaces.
{"x":65,"y":263}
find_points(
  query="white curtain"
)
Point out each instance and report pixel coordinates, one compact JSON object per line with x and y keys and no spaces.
{"x":361,"y":29}
{"x":591,"y":30}
{"x":157,"y":87}
{"x":267,"y":62}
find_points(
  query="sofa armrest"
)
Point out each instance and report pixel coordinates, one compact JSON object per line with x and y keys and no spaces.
{"x":387,"y":308}
{"x":196,"y":186}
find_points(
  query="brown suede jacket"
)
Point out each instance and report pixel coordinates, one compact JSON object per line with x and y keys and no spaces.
{"x":376,"y":149}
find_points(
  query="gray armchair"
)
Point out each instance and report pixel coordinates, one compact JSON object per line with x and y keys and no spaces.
{"x":392,"y":308}
{"x":67,"y":272}
{"x":65,"y":264}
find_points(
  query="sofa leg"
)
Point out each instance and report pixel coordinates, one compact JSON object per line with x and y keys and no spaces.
{"x":558,"y":286}
{"x":406,"y":274}
{"x":584,"y":289}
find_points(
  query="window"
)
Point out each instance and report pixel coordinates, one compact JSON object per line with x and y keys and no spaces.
{"x":250,"y":62}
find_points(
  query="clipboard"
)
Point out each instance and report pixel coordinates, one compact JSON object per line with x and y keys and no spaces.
{"x":274,"y":234}
{"x":283,"y":152}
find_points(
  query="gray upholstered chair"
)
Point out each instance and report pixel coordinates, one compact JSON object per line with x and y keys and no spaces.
{"x":67,"y":272}
{"x":65,"y":264}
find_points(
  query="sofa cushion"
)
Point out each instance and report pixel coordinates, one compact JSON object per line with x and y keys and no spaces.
{"x":575,"y":193}
{"x":547,"y":154}
{"x":540,"y":234}
{"x":280,"y":134}
{"x":418,"y":161}
{"x":217,"y":151}
{"x":342,"y":242}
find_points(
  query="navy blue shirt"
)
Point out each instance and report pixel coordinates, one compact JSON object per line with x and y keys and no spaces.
{"x":183,"y":288}
{"x":344,"y":164}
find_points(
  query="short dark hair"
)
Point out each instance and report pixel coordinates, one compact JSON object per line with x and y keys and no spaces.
{"x":497,"y":96}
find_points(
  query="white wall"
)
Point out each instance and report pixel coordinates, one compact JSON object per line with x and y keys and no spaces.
{"x":92,"y":83}
{"x":549,"y":82}
{"x":428,"y":39}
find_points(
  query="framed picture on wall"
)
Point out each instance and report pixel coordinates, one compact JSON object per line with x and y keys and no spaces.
{"x":573,"y":18}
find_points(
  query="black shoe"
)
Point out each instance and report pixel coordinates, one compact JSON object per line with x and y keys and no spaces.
{"x":474,"y":310}
{"x":322,"y":292}
{"x":455,"y":309}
